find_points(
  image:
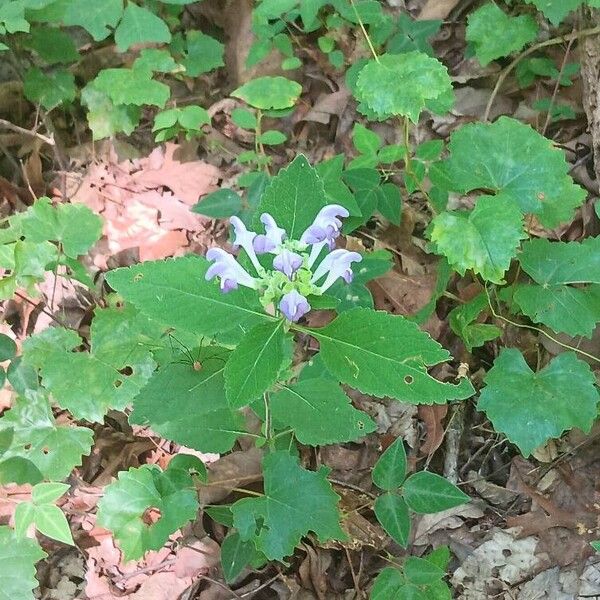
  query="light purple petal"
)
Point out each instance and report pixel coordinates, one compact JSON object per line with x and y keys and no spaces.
{"x":245,"y":239}
{"x":228,"y":270}
{"x":262,"y":244}
{"x":273,"y":232}
{"x":326,"y":225}
{"x":294,"y":306}
{"x":336,"y":264}
{"x":287,"y":262}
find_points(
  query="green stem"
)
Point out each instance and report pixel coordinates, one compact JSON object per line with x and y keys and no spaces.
{"x":364,"y":32}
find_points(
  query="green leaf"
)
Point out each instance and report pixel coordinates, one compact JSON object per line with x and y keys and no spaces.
{"x":196,"y":414}
{"x":175,"y":293}
{"x":531,"y":408}
{"x":219,"y":205}
{"x":49,"y":90}
{"x":131,"y":86}
{"x":272,"y":137}
{"x":483,"y":26}
{"x":319,"y":413}
{"x":235,"y":555}
{"x":388,"y":584}
{"x":153,"y":60}
{"x":507,"y":156}
{"x":19,"y":470}
{"x":45,"y":493}
{"x":244,"y":118}
{"x":390,"y":469}
{"x":74,"y":226}
{"x":118,"y":365}
{"x":336,"y":191}
{"x":190,"y":464}
{"x":274,"y":9}
{"x":52,"y":448}
{"x":556,"y":268}
{"x":413,"y":35}
{"x":392,"y":513}
{"x":364,"y":140}
{"x":556,"y":10}
{"x":52,"y":45}
{"x":269,"y":92}
{"x":12,"y":17}
{"x":296,"y":501}
{"x":8,"y":348}
{"x":51,"y":521}
{"x":255,"y":363}
{"x":104,"y":117}
{"x":18,"y":556}
{"x":98,"y":18}
{"x":139,"y":26}
{"x":126,"y":501}
{"x":386,"y":355}
{"x":420,"y":571}
{"x":293,"y":198}
{"x":365,"y":185}
{"x":462,"y":322}
{"x":484,"y":239}
{"x":595,"y":545}
{"x":24,"y":517}
{"x":389,"y":202}
{"x":401,"y":84}
{"x":427,"y":493}
{"x":204,"y":54}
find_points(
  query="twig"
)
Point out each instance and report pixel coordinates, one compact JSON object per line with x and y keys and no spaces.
{"x":454,"y":434}
{"x":355,"y":580}
{"x":29,"y":132}
{"x":551,"y":42}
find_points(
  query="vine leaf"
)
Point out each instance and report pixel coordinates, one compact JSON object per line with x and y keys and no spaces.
{"x":531,"y":408}
{"x":319,"y":413}
{"x":556,"y":10}
{"x":390,"y":469}
{"x":484,"y":239}
{"x":510,"y":157}
{"x":175,"y":293}
{"x":386,"y":355}
{"x":98,"y":19}
{"x":196,"y":414}
{"x":293,"y":198}
{"x":483,"y":26}
{"x":402,"y":84}
{"x":296,"y":501}
{"x":127,"y":502}
{"x":18,"y":556}
{"x":38,"y":440}
{"x":254,"y":365}
{"x":138,"y":26}
{"x":269,"y":93}
{"x":109,"y":376}
{"x":428,"y":493}
{"x":392,"y":513}
{"x":556,"y":268}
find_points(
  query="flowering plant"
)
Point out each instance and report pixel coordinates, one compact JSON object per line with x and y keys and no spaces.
{"x":291,"y":280}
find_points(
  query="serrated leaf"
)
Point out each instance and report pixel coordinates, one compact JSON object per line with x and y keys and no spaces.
{"x":387,"y":585}
{"x":510,"y":157}
{"x":104,"y":117}
{"x":18,"y":556}
{"x":319,"y":413}
{"x":219,"y":205}
{"x":153,"y":60}
{"x":235,"y":555}
{"x":531,"y":408}
{"x":484,"y":239}
{"x":296,"y":501}
{"x":44,"y":493}
{"x":402,"y":84}
{"x":139,"y":26}
{"x":53,"y":45}
{"x":131,"y":86}
{"x":254,"y":365}
{"x":98,"y":18}
{"x":175,"y":293}
{"x":386,"y":355}
{"x":53,"y":449}
{"x":428,"y":493}
{"x":204,"y":53}
{"x":74,"y":226}
{"x":269,"y":92}
{"x":556,"y":268}
{"x":420,"y":571}
{"x":125,"y":502}
{"x":51,"y":521}
{"x":390,"y":469}
{"x":392,"y":513}
{"x":196,"y":413}
{"x":49,"y":90}
{"x":118,"y":365}
{"x":12,"y":17}
{"x":483,"y":26}
{"x":556,"y":10}
{"x":293,"y":198}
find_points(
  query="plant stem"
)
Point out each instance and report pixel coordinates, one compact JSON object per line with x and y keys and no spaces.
{"x":364,"y":32}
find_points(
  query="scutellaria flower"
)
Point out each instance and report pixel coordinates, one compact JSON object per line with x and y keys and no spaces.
{"x":291,"y":279}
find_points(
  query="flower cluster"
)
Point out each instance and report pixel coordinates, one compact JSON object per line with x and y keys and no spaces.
{"x":295,"y":274}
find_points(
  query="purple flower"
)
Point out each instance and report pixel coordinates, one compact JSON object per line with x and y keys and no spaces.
{"x":287,"y":262}
{"x":336,"y":264}
{"x":272,"y":237}
{"x":245,"y":239}
{"x":294,"y":306}
{"x":326,"y":226}
{"x":230,"y":272}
